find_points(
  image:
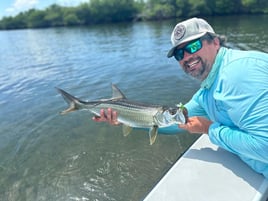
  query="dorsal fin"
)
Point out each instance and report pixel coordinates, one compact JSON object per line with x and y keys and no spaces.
{"x":117,"y":94}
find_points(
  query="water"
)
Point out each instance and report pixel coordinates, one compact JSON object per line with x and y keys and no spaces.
{"x":46,"y":156}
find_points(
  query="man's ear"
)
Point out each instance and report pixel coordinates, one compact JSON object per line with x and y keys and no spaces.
{"x":216,"y":41}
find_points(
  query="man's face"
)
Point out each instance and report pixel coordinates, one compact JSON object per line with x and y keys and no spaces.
{"x":199,"y":64}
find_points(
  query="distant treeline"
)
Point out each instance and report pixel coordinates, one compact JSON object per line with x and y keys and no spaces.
{"x":107,"y":11}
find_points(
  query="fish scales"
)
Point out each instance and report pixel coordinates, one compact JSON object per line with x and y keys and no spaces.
{"x":130,"y":114}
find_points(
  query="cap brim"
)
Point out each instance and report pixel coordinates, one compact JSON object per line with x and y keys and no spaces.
{"x":171,"y":51}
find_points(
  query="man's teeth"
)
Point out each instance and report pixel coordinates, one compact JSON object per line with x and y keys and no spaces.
{"x":193,"y":63}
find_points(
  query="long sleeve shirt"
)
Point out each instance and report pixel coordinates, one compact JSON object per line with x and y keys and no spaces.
{"x":234,"y":97}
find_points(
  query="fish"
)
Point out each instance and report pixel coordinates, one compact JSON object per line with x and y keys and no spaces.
{"x":131,"y":114}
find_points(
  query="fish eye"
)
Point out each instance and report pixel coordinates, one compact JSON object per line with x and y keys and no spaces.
{"x":172,"y":111}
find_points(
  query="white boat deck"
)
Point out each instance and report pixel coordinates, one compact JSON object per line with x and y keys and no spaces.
{"x":209,"y":173}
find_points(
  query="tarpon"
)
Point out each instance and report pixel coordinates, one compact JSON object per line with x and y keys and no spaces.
{"x":131,"y":114}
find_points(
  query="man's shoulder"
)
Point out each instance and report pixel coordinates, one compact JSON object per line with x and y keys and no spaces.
{"x":236,"y":55}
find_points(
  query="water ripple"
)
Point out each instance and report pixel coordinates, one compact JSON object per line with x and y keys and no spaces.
{"x":45,"y":156}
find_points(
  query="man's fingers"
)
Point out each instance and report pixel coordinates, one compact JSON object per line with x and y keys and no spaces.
{"x":183,"y":126}
{"x":109,"y":116}
{"x":114,"y":118}
{"x":100,"y":118}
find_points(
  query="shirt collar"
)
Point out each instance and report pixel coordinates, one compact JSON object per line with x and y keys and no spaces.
{"x":206,"y":84}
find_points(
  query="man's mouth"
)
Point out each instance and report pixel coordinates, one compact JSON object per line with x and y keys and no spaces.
{"x":191,"y":65}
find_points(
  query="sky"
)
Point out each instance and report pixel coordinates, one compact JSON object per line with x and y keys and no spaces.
{"x":14,"y":7}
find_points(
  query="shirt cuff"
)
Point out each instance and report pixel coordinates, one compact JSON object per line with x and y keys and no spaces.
{"x":213,"y":132}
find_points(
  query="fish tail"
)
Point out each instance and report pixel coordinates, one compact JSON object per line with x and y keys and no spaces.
{"x":71,"y":100}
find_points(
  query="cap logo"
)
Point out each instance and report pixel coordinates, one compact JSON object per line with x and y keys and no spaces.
{"x":179,"y":32}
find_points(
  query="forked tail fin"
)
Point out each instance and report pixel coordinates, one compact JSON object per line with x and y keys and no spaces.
{"x":71,"y":100}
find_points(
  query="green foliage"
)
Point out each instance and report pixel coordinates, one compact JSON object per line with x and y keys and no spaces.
{"x":107,"y":11}
{"x":70,"y":19}
{"x":255,"y":6}
{"x":160,"y":11}
{"x":112,"y":10}
{"x":54,"y":16}
{"x":36,"y":19}
{"x":183,"y":8}
{"x":95,"y":11}
{"x":83,"y":13}
{"x":224,"y":7}
{"x":200,"y":7}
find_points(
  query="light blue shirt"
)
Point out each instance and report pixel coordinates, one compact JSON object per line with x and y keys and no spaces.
{"x":235,"y":97}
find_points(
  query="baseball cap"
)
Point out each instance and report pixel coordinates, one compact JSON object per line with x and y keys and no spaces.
{"x":188,"y":30}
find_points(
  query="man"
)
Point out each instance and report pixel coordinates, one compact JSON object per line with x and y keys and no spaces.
{"x":231,"y":105}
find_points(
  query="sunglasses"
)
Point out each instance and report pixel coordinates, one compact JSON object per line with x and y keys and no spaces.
{"x":191,"y":48}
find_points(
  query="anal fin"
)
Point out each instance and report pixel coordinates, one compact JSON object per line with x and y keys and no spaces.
{"x":153,"y":134}
{"x":126,"y":130}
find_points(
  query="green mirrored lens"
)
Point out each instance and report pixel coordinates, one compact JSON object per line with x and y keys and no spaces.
{"x":193,"y":47}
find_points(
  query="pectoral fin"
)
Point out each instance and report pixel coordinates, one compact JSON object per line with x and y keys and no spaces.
{"x":153,"y":134}
{"x":126,"y":130}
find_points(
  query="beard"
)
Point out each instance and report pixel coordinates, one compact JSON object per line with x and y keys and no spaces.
{"x":199,"y":72}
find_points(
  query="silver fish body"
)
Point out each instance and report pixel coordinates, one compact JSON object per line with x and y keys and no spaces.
{"x":131,"y":114}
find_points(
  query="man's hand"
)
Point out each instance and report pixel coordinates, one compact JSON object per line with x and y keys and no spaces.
{"x":196,"y":125}
{"x":109,"y":116}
